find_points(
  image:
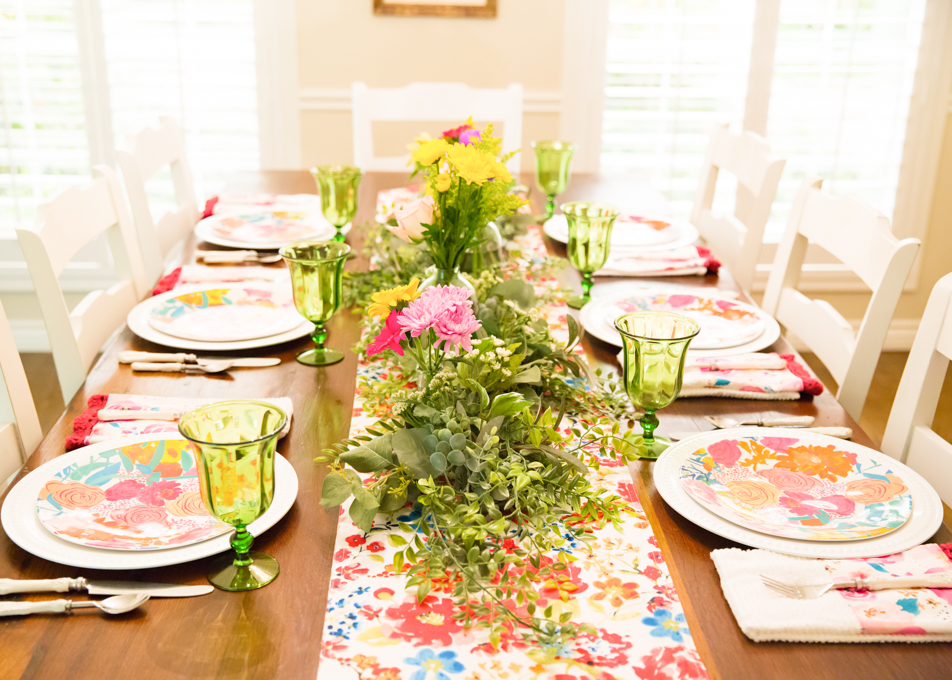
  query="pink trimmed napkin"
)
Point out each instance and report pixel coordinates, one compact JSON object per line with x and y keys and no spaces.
{"x":901,"y":615}
{"x":236,"y":203}
{"x":684,"y":261}
{"x":766,"y":376}
{"x":199,"y":273}
{"x":112,"y":416}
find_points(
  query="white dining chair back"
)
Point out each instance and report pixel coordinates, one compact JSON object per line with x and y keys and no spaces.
{"x":65,"y":223}
{"x":432,"y":102}
{"x":151,"y":150}
{"x":861,"y":239}
{"x":909,"y":436}
{"x":20,"y":431}
{"x":736,"y":239}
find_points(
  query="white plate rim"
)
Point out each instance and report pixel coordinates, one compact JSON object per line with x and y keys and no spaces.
{"x":204,"y":231}
{"x":926,"y":506}
{"x":689,"y":234}
{"x":27,"y":532}
{"x":254,"y":334}
{"x":138,"y":322}
{"x":593,"y":323}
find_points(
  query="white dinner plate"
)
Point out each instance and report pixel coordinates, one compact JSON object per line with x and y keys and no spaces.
{"x":19,"y":519}
{"x":632,"y":235}
{"x":264,"y":229}
{"x":925,"y":520}
{"x":139,"y":323}
{"x":599,"y":322}
{"x":232,"y":312}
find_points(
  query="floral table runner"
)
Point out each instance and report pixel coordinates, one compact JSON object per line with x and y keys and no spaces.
{"x":375,"y":628}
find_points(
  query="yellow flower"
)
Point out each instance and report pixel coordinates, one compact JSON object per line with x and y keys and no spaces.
{"x":443,"y":181}
{"x":473,"y":165}
{"x":430,"y":152}
{"x":387,"y":299}
{"x":501,"y":172}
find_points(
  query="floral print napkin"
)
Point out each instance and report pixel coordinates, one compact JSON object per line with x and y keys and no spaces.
{"x":901,"y":615}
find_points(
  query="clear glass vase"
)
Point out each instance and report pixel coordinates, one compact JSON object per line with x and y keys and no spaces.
{"x":447,"y":277}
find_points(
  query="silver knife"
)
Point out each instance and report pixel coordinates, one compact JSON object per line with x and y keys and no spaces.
{"x":64,"y":585}
{"x":130,"y":356}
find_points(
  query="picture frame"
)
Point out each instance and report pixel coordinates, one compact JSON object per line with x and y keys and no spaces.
{"x":436,"y":8}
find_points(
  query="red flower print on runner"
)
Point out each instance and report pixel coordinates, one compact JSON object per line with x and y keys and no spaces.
{"x":667,"y":663}
{"x":427,"y":624}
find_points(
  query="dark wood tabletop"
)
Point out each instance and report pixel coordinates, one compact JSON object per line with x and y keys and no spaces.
{"x":276,"y":632}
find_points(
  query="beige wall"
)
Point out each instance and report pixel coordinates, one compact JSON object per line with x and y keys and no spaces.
{"x":340,"y":42}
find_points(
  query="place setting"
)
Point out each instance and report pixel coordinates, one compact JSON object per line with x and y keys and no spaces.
{"x":149,"y":501}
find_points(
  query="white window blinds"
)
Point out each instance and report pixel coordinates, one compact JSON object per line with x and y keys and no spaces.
{"x":838,"y":100}
{"x":193,"y":60}
{"x":43,"y":144}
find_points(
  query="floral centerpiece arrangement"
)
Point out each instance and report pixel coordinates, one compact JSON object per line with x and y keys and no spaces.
{"x":466,"y":187}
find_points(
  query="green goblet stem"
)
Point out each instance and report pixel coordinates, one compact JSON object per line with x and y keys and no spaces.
{"x":241,"y":543}
{"x":649,"y":423}
{"x":339,"y":236}
{"x":550,"y":206}
{"x":319,"y":336}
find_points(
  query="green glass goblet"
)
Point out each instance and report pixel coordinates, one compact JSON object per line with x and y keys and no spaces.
{"x":590,"y":234}
{"x":317,"y":277}
{"x":338,"y":185}
{"x":553,"y":160}
{"x":656,"y":345}
{"x":233,"y":443}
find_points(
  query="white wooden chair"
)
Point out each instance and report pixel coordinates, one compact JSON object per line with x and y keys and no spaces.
{"x":20,"y":431}
{"x":432,"y":102}
{"x":64,"y":224}
{"x":909,"y":436}
{"x":860,"y":238}
{"x":151,"y":150}
{"x":736,"y":239}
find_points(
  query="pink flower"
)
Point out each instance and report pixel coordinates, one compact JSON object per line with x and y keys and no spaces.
{"x":432,"y":305}
{"x":454,"y":133}
{"x":779,"y":444}
{"x":456,"y":328}
{"x":725,"y":452}
{"x":390,"y":337}
{"x":124,"y":490}
{"x":156,"y":494}
{"x":681,"y":300}
{"x":469,"y":137}
{"x":411,"y":220}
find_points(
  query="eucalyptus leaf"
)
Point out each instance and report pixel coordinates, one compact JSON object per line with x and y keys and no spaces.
{"x":519,"y":291}
{"x":408,"y":446}
{"x":364,"y":459}
{"x":335,"y":490}
{"x":362,"y":515}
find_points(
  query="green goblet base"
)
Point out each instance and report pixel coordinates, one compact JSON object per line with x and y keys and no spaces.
{"x":651,"y":449}
{"x":226,"y":575}
{"x":320,"y":357}
{"x":578,"y":301}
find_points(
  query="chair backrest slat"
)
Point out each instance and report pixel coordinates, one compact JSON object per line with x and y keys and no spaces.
{"x":860,"y":238}
{"x":909,"y":436}
{"x":432,"y":102}
{"x":66,"y":223}
{"x":20,"y":431}
{"x":736,"y":239}
{"x":149,"y":151}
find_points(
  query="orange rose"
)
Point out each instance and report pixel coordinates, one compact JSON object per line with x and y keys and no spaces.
{"x":789,"y":480}
{"x":73,"y":494}
{"x":138,"y":515}
{"x":754,"y":494}
{"x":189,"y":504}
{"x":868,"y":491}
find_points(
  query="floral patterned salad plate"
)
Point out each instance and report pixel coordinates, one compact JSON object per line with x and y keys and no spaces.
{"x":142,"y":496}
{"x":727,"y":326}
{"x":264,"y":229}
{"x":805,"y":487}
{"x":633,"y":231}
{"x":226,"y":314}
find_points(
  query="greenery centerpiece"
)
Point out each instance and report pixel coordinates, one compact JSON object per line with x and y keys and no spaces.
{"x":466,"y":187}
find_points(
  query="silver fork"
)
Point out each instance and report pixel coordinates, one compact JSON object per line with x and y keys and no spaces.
{"x":815,"y":590}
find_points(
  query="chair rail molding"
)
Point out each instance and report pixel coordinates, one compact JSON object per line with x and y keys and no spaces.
{"x":316,"y":99}
{"x":276,"y":59}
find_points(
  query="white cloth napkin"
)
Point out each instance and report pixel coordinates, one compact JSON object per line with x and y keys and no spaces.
{"x":684,"y":261}
{"x":907,"y":615}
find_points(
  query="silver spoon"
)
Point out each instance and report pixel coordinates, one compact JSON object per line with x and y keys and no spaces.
{"x":118,"y":604}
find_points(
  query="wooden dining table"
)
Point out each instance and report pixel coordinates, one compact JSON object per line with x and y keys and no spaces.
{"x":276,"y":632}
